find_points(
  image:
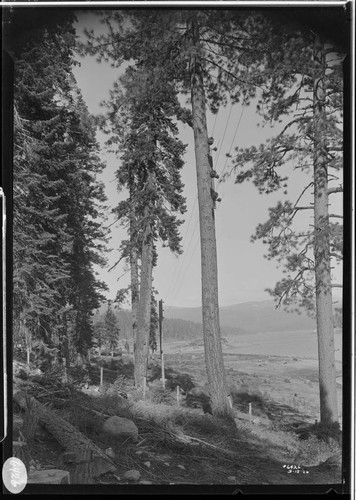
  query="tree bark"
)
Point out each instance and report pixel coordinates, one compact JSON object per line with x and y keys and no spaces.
{"x":134,"y":279}
{"x":324,"y":309}
{"x":210,"y":304}
{"x":144,"y":304}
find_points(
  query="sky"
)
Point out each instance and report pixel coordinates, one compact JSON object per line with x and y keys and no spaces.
{"x":243,"y":272}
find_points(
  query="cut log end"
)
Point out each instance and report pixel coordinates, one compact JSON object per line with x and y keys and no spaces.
{"x":50,"y":476}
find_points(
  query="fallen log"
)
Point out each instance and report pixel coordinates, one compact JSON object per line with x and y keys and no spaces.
{"x":67,"y":435}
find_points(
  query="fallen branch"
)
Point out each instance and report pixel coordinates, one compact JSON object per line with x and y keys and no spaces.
{"x":191,"y":440}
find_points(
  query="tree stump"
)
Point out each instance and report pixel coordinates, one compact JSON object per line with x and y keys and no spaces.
{"x":79,"y":465}
{"x":20,"y":450}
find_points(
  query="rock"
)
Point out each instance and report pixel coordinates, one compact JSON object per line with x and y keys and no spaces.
{"x":101,"y":466}
{"x":166,"y":463}
{"x":147,"y":464}
{"x":287,"y":380}
{"x":110,"y":452}
{"x":22,"y":374}
{"x":181,"y":467}
{"x":120,"y":428}
{"x":232,"y":479}
{"x":132,"y":475}
{"x":145,"y":482}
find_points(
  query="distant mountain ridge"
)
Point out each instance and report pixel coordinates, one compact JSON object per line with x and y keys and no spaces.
{"x":254,"y":317}
{"x":247,"y":317}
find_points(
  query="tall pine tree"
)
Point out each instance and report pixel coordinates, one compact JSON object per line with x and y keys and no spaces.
{"x":54,"y":154}
{"x":151,"y":160}
{"x":302,"y":89}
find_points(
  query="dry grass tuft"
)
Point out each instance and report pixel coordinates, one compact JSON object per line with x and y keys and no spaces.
{"x":288,"y":446}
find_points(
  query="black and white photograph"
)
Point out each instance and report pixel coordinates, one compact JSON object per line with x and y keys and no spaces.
{"x":178,"y":180}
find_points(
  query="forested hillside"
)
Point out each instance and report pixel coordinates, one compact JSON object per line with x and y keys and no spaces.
{"x":251,"y":317}
{"x":172,"y":328}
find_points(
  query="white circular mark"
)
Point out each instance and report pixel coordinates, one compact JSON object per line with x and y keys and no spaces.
{"x":14,"y":475}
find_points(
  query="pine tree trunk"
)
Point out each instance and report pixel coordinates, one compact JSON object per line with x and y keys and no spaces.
{"x":324,"y":310}
{"x":144,"y":309}
{"x":210,"y":305}
{"x":134,"y":282}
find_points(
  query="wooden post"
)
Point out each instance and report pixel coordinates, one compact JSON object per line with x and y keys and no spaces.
{"x":144,"y":387}
{"x":178,"y":395}
{"x":101,"y":376}
{"x":250,"y":410}
{"x":163,"y":379}
{"x":160,"y":319}
{"x":230,"y":400}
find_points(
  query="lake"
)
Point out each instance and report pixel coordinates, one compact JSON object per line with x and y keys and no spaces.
{"x":302,"y":344}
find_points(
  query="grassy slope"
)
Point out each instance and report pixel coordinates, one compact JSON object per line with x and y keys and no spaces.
{"x":198,"y":448}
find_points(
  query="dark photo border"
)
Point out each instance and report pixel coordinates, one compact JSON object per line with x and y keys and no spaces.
{"x":332,"y":21}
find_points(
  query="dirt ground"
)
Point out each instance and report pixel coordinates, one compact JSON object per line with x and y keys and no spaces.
{"x":285,"y":380}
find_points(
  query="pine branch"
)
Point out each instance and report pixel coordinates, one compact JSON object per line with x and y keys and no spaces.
{"x":335,"y":190}
{"x":336,"y":255}
{"x":229,"y":72}
{"x":296,"y":120}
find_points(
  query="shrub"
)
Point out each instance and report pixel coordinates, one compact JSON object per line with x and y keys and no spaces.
{"x":161,"y":395}
{"x":184,"y":380}
{"x":313,"y":451}
{"x":323,"y":432}
{"x":53,"y":376}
